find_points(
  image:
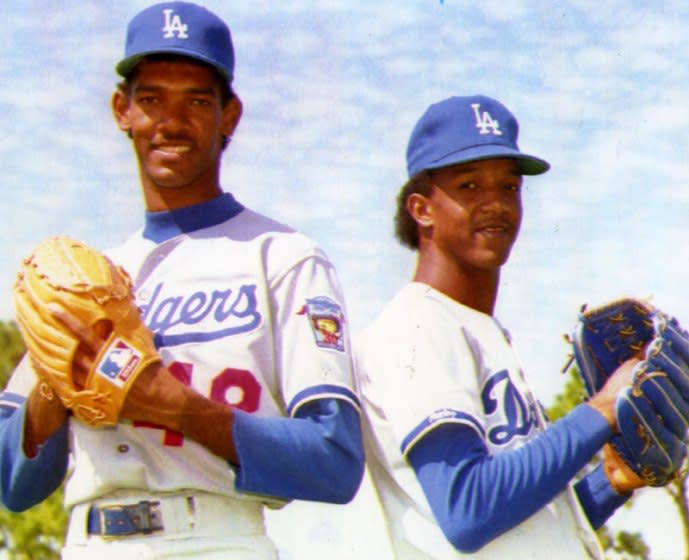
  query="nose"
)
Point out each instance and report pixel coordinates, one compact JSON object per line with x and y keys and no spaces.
{"x":173,"y":118}
{"x":501,"y":197}
{"x":502,"y":202}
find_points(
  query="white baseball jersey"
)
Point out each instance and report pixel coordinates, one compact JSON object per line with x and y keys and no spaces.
{"x":248,"y":312}
{"x":426,"y":361}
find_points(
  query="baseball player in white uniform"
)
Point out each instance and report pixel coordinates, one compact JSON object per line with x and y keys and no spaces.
{"x":456,"y":442}
{"x":246,"y":311}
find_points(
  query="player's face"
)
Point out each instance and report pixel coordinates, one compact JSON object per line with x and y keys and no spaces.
{"x":174,"y":115}
{"x":473,"y":213}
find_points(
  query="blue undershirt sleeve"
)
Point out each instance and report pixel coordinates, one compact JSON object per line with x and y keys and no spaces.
{"x":476,"y":496}
{"x":316,"y":455}
{"x":598,"y":498}
{"x":27,"y":482}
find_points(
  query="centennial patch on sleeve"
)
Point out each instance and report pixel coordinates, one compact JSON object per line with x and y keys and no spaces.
{"x":326,"y":319}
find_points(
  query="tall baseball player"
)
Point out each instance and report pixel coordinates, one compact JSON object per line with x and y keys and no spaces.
{"x":456,"y":441}
{"x":253,"y":403}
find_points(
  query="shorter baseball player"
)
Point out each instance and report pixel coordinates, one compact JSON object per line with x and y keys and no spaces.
{"x":457,"y":444}
{"x":249,"y":400}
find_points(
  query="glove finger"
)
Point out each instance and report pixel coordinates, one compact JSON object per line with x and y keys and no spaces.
{"x":49,"y":345}
{"x":43,"y":351}
{"x":662,"y":357}
{"x":653,"y":474}
{"x":608,"y":336}
{"x":666,"y":402}
{"x":677,"y":337}
{"x":649,"y":443}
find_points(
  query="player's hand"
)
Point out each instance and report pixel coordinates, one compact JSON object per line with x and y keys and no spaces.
{"x":149,"y":398}
{"x":91,"y":342}
{"x":156,"y":396}
{"x":45,"y":413}
{"x":622,"y":478}
{"x":604,"y":401}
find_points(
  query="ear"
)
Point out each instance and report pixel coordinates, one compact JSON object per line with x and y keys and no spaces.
{"x":120,"y":109}
{"x":232,"y":113}
{"x":420,"y":209}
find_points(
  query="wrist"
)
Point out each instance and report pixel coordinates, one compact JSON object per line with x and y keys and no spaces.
{"x":620,"y":476}
{"x":605,"y":409}
{"x":44,"y":415}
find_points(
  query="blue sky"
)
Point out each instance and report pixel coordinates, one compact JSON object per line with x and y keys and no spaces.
{"x":331,"y":90}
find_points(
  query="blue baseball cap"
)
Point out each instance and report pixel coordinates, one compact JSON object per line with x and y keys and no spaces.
{"x":463,"y":129}
{"x":180,"y":28}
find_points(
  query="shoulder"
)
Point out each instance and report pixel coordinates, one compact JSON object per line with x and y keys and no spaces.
{"x":417,"y":304}
{"x":418,"y":321}
{"x":281,"y":246}
{"x":130,"y":250}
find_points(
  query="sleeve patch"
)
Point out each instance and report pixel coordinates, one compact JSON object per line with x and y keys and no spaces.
{"x":326,"y":319}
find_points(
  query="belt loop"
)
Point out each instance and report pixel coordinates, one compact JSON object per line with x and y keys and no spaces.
{"x":77,"y":529}
{"x":144,"y":517}
{"x":191,"y":511}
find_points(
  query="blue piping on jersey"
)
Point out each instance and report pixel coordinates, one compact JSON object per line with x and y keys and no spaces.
{"x":161,"y":226}
{"x":322,"y":392}
{"x":444,"y":416}
{"x":168,"y":340}
{"x":10,"y":401}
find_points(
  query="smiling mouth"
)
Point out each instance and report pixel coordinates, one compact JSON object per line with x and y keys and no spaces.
{"x":495,"y":229}
{"x":172,"y":149}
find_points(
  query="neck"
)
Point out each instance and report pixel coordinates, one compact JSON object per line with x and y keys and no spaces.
{"x":475,"y":288}
{"x":159,"y":199}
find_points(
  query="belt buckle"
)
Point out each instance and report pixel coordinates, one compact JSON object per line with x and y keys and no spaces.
{"x":121,"y":520}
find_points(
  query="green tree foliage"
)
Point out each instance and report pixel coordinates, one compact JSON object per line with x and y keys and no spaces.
{"x":11,"y":349}
{"x":38,"y":533}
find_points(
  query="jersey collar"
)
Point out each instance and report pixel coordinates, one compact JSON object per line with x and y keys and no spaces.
{"x":161,"y":226}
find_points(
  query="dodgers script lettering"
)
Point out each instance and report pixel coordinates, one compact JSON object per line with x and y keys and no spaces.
{"x":502,"y":397}
{"x":200,"y":316}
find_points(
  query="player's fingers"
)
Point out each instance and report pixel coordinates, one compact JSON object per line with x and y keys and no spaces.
{"x":91,"y":338}
{"x":81,"y":365}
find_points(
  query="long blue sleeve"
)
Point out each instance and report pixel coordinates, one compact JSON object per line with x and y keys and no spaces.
{"x":27,"y":482}
{"x":598,"y":498}
{"x":317,"y":455}
{"x":476,"y":496}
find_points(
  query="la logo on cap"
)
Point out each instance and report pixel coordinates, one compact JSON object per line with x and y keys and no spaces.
{"x":173,"y":24}
{"x":484,"y":122}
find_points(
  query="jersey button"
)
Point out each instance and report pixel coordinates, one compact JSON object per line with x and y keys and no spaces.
{"x":123,"y":448}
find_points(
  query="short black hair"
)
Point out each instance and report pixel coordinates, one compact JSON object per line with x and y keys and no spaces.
{"x":406,"y":228}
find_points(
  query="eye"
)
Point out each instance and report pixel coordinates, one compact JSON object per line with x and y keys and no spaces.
{"x":514,"y":186}
{"x":468,"y":186}
{"x":146,"y":99}
{"x":200,"y":102}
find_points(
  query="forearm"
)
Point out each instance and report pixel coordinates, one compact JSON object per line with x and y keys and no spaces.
{"x":159,"y":398}
{"x":210,"y":424}
{"x":44,"y":415}
{"x":26,"y":481}
{"x":315,"y":456}
{"x":476,"y":496}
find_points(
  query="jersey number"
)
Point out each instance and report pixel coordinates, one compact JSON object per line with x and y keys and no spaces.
{"x":236,"y":387}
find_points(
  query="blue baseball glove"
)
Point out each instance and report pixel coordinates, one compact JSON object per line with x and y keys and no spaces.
{"x":653,"y":413}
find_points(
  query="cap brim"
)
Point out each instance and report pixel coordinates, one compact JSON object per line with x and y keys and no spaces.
{"x":528,"y":164}
{"x":126,"y":65}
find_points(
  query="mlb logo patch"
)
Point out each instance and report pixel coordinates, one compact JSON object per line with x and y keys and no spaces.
{"x":118,"y":362}
{"x":326,"y":319}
